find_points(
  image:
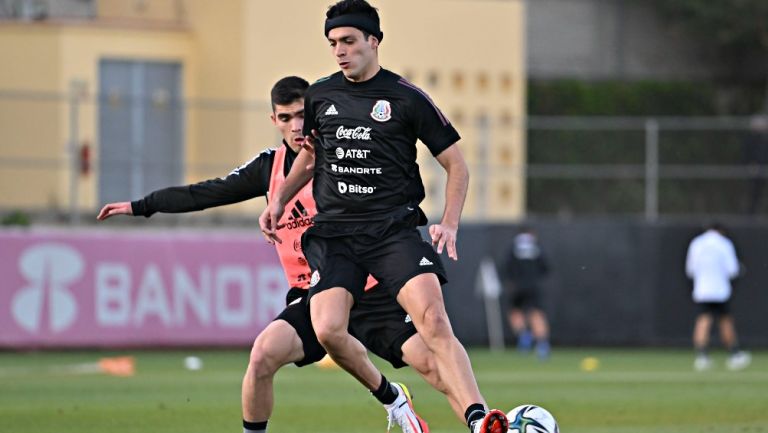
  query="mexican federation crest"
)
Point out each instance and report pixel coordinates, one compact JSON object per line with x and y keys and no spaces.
{"x":382,"y":111}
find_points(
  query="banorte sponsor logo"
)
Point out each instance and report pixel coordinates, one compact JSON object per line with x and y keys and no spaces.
{"x":358,"y":133}
{"x":45,"y":303}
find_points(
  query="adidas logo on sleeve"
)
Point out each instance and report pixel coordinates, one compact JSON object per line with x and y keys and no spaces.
{"x":425,"y":262}
{"x":331,"y":111}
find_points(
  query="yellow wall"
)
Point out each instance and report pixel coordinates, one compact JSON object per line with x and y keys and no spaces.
{"x":48,"y":58}
{"x":235,"y":50}
{"x":29,"y":127}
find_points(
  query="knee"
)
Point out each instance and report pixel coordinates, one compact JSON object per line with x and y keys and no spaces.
{"x":262,"y":363}
{"x":330,"y":336}
{"x":435,"y":323}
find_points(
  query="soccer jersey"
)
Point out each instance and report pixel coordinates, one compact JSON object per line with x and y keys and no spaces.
{"x":365,"y":165}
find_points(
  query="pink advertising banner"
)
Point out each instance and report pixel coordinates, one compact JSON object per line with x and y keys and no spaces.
{"x":115,"y":289}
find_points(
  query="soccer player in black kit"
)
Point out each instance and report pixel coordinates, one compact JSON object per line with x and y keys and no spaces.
{"x":364,"y":122}
{"x":379,"y":322}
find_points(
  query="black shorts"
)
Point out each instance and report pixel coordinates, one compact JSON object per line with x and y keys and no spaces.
{"x":377,"y":320}
{"x":296,"y":313}
{"x":393,"y":256}
{"x":525,"y":299}
{"x":714,"y":308}
{"x":381,"y":324}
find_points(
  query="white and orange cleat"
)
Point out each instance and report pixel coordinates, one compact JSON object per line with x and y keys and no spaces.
{"x":401,"y":412}
{"x":494,"y":421}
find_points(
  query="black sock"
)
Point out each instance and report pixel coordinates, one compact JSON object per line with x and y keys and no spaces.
{"x":473,"y":413}
{"x":254,"y":426}
{"x":384,"y":393}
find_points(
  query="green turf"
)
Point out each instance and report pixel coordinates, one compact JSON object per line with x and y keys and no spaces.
{"x":633,"y":391}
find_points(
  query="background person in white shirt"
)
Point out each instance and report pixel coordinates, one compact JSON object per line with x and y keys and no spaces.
{"x":712,"y":263}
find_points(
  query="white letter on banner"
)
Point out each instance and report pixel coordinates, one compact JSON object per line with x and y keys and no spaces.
{"x":239,"y":277}
{"x":186,"y":294}
{"x":271,"y":293}
{"x":113,"y":294}
{"x":151,"y":299}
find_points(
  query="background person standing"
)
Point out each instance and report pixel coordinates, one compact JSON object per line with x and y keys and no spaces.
{"x":712,"y":263}
{"x":525,"y":267}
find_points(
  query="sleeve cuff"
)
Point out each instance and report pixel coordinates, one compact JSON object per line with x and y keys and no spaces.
{"x":139,"y":208}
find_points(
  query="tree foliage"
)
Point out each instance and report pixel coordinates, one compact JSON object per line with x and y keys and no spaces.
{"x":736,"y":30}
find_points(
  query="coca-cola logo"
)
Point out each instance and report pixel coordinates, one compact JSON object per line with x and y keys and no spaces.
{"x":358,"y":133}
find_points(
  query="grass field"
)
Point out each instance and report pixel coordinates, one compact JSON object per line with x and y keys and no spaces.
{"x":633,"y":391}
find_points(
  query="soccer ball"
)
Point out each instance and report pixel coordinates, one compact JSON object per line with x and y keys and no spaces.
{"x":530,"y":418}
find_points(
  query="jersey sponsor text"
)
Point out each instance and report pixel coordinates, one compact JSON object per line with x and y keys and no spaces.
{"x":357,"y":133}
{"x":355,"y":170}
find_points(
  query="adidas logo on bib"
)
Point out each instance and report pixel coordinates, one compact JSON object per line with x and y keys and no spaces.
{"x":331,"y":111}
{"x":425,"y":262}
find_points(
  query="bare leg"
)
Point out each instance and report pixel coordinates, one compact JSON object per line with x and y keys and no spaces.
{"x":539,"y":325}
{"x":516,"y":321}
{"x":422,"y":299}
{"x":330,"y":318}
{"x":420,"y":358}
{"x":277,"y":345}
{"x":701,"y":331}
{"x":728,"y":332}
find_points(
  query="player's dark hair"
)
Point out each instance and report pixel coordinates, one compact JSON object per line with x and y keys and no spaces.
{"x":716,"y":226}
{"x":288,"y":90}
{"x":357,"y":7}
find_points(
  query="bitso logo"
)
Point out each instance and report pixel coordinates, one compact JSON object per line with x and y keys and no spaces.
{"x":45,"y":303}
{"x":354,"y":189}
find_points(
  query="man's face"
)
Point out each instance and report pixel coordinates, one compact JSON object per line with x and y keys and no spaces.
{"x":289,"y":119}
{"x":355,"y":55}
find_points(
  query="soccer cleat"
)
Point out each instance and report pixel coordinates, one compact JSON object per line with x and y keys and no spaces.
{"x":738,"y":360}
{"x":525,"y":342}
{"x":702,"y":363}
{"x":494,"y":421}
{"x":542,"y":350}
{"x":401,"y":412}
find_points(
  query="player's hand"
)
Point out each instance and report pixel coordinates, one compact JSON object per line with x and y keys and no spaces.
{"x":309,"y":146}
{"x":112,"y":209}
{"x":444,"y":236}
{"x":269,"y":221}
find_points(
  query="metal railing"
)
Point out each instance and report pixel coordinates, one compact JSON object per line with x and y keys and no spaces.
{"x":647,"y":168}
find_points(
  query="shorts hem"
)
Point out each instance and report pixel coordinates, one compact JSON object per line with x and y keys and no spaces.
{"x":400,"y":284}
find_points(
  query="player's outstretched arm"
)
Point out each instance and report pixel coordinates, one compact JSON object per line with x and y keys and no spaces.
{"x":112,"y":209}
{"x":444,"y":234}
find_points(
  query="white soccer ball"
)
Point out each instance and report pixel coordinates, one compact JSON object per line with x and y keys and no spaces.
{"x":529,"y":418}
{"x":193,"y":363}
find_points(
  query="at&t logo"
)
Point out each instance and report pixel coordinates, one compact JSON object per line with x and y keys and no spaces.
{"x":45,"y":303}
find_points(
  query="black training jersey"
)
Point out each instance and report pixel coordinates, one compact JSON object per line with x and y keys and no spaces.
{"x":365,"y":163}
{"x":245,"y":182}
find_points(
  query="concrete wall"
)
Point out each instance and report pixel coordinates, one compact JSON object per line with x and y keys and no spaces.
{"x":612,"y":282}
